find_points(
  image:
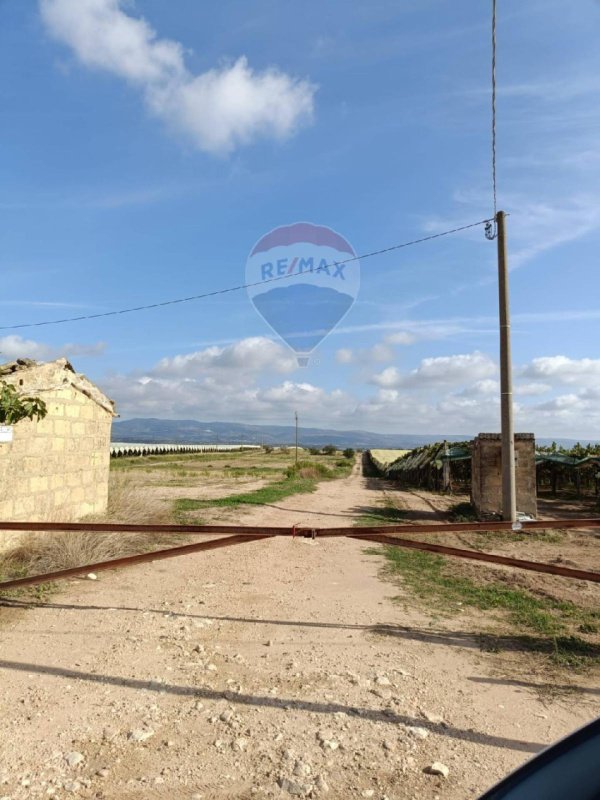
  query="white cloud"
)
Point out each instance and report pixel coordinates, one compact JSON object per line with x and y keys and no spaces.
{"x":389,"y":377}
{"x":456,"y":394}
{"x":213,"y":397}
{"x":435,"y":329}
{"x":532,"y":389}
{"x":541,"y":226}
{"x":381,"y":351}
{"x":562,"y":403}
{"x":231,"y":382}
{"x":344,"y":355}
{"x":251,"y":355}
{"x":558,"y":91}
{"x":217,"y":110}
{"x":534,"y":225}
{"x":402,"y":337}
{"x":564,"y":370}
{"x":13,"y":346}
{"x":440,"y":371}
{"x":482,"y":388}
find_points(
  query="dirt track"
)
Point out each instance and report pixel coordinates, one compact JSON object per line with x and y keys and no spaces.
{"x":275,"y":663}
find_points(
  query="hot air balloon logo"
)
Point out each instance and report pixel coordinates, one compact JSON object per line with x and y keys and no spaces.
{"x":302,"y":279}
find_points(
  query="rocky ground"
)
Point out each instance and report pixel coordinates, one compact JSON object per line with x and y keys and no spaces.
{"x":274,"y":669}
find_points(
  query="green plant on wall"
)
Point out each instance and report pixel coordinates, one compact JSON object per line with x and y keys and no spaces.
{"x":15,"y":407}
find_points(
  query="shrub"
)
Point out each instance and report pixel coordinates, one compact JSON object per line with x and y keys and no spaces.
{"x":329,"y":449}
{"x":14,"y":406}
{"x":306,"y":469}
{"x":349,"y":453}
{"x":64,"y":549}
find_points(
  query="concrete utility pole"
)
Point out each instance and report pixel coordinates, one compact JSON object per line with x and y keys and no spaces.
{"x":296,"y":417}
{"x":446,"y":482}
{"x":509,"y":488}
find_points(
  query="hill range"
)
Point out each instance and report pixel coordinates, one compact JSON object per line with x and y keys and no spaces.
{"x":173,"y":431}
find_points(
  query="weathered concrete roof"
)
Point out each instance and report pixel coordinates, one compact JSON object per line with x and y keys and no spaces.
{"x":44,"y":376}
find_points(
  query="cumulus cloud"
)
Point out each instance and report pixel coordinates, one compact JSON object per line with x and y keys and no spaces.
{"x":562,"y":369}
{"x":482,"y":388}
{"x":251,"y":380}
{"x":532,"y":389}
{"x":440,"y":371}
{"x":230,"y":382}
{"x":213,"y":397}
{"x":251,"y":355}
{"x":13,"y":346}
{"x":381,"y":351}
{"x":218,"y":110}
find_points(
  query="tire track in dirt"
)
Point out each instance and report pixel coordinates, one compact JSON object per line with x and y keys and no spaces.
{"x":276,"y":669}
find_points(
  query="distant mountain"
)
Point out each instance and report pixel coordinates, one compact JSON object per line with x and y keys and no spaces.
{"x":195,"y":432}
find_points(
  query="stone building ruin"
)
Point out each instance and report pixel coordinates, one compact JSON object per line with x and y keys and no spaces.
{"x":55,"y":469}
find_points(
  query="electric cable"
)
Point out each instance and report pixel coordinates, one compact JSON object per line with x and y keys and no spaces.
{"x":240,"y":286}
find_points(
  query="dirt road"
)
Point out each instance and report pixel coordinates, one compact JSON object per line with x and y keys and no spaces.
{"x":273,"y":669}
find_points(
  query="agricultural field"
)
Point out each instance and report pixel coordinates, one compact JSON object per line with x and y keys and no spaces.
{"x":252,"y":662}
{"x":179,"y":487}
{"x":383,"y":458}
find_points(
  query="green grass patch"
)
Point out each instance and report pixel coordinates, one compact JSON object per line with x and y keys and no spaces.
{"x":381,"y":516}
{"x":430,"y":578}
{"x":386,"y":514}
{"x":298,"y":478}
{"x":12,"y":568}
{"x":251,"y":472}
{"x":267,"y":494}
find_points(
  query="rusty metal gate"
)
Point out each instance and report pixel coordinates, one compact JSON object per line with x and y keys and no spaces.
{"x":227,"y":535}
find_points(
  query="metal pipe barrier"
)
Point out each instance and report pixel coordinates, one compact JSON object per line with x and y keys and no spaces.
{"x":232,"y":534}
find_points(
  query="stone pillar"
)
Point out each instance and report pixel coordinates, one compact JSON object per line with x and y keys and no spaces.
{"x":486,"y":474}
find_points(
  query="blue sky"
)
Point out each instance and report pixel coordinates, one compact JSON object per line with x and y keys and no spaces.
{"x":146,"y":146}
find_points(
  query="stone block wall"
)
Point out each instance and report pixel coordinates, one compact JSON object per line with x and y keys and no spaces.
{"x":486,"y":474}
{"x":56,"y":469}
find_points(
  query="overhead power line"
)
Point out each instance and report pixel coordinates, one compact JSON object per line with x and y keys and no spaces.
{"x":491,"y":229}
{"x":237,"y":288}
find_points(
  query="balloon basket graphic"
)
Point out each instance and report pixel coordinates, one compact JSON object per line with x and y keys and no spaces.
{"x":302,"y":280}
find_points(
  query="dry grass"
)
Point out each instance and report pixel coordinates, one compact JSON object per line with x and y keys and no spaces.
{"x":47,"y":552}
{"x":133,"y":498}
{"x":312,"y":473}
{"x":129,"y":502}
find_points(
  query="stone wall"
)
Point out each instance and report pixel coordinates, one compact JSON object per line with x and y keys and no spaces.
{"x":55,"y":469}
{"x":486,"y":474}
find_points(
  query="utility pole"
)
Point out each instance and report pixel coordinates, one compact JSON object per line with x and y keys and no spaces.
{"x":296,"y":417}
{"x":446,"y":482}
{"x":509,"y":489}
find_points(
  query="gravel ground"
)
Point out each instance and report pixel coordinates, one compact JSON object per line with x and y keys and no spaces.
{"x":275,"y":669}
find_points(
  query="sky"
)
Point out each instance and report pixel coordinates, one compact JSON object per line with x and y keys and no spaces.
{"x":146,"y":147}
